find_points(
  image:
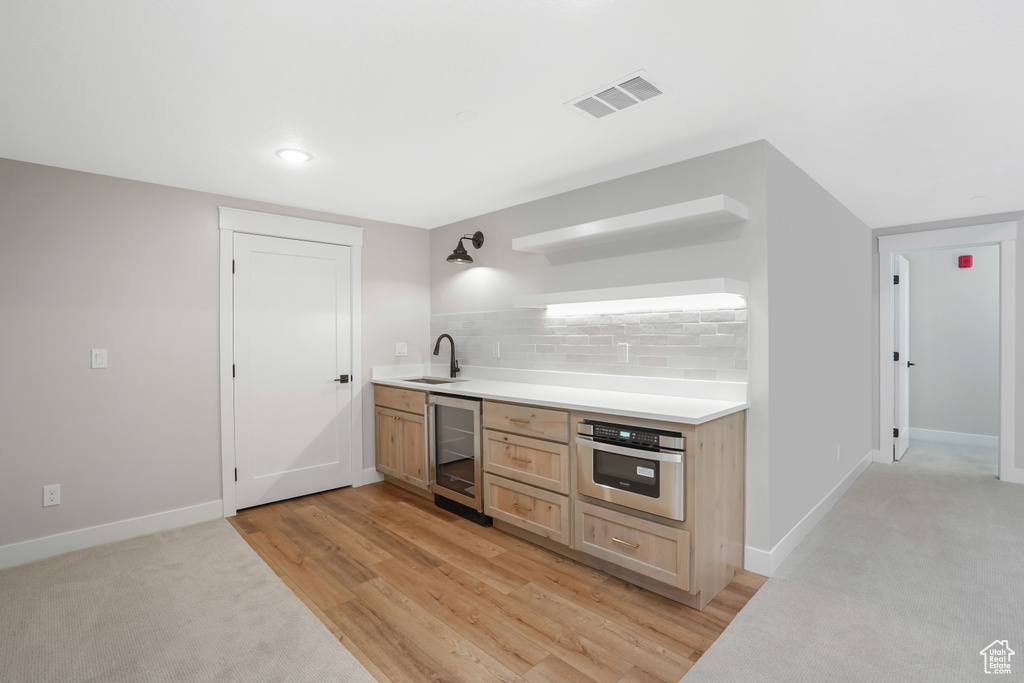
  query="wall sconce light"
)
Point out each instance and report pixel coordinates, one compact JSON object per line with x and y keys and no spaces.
{"x":460,"y":255}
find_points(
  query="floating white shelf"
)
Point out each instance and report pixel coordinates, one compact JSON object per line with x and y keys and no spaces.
{"x":708,"y":293}
{"x":717,"y":210}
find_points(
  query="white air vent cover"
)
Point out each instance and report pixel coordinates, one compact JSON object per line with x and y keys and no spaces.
{"x":633,"y":89}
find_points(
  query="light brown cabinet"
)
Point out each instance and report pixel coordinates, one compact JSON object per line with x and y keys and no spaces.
{"x":531,"y":461}
{"x":528,"y":507}
{"x":543,"y":423}
{"x":400,"y":437}
{"x":655,"y":550}
{"x":526,"y":465}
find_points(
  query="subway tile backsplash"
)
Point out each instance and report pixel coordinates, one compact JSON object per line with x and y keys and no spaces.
{"x":709,"y":345}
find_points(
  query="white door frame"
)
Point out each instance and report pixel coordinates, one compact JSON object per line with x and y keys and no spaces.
{"x":271,"y":225}
{"x":1005,"y":236}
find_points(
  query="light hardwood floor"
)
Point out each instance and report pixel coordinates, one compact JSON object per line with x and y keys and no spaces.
{"x":419,"y":594}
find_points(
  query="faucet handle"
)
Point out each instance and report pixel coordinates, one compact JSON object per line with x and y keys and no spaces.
{"x":457,"y":368}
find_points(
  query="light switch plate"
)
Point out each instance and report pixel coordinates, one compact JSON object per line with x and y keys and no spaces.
{"x":401,"y":349}
{"x":99,"y":358}
{"x":496,"y":349}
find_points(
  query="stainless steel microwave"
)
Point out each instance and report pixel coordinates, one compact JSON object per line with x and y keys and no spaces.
{"x":636,"y":467}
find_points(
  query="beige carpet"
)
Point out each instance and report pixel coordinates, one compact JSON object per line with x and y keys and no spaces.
{"x":917,"y":569}
{"x":192,"y":604}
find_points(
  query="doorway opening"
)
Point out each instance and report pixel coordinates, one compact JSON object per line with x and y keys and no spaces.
{"x":934,"y":421}
{"x":319,"y":445}
{"x":946,"y":356}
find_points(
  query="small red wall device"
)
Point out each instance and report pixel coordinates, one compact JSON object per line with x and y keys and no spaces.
{"x":966,"y":261}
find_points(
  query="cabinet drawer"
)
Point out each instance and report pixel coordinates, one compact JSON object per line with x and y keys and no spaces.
{"x":531,"y":461}
{"x":527,"y":420}
{"x":531,"y":509}
{"x":654,"y":550}
{"x":400,"y":399}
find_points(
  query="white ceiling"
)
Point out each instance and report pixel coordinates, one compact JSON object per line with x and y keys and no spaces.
{"x":905,"y":110}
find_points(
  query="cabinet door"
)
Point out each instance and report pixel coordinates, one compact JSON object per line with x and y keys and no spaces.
{"x":532,"y":461}
{"x":413,"y":457}
{"x":389,"y":441}
{"x":655,"y":550}
{"x":535,"y":510}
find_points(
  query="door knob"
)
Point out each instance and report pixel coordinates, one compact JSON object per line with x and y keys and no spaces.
{"x":343,"y":379}
{"x":910,"y":365}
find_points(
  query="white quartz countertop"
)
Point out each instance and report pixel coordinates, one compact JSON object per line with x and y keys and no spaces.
{"x":649,"y":406}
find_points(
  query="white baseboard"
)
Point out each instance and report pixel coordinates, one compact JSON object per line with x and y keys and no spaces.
{"x":955,"y":438}
{"x":1014,"y":476}
{"x":48,"y":546}
{"x":371,"y":476}
{"x":766,"y":562}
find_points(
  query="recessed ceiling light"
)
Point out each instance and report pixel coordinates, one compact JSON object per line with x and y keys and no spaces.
{"x":296,"y":156}
{"x":466,"y":116}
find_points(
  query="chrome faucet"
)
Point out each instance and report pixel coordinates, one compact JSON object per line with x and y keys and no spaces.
{"x":437,"y":350}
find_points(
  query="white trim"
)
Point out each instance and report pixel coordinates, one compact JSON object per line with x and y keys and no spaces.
{"x":371,"y":476}
{"x":227,"y":386}
{"x":1008,"y":361}
{"x":48,"y":546}
{"x":955,"y":438}
{"x":886,"y":342}
{"x":287,"y":227}
{"x":1013,"y":475}
{"x":767,"y":562}
{"x":1003,"y":234}
{"x":973,"y":235}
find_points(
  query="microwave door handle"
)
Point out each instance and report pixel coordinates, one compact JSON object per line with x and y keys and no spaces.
{"x":661,"y":456}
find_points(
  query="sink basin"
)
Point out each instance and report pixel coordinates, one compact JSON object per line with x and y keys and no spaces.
{"x":431,"y":380}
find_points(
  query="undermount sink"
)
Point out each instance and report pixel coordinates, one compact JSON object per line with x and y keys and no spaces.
{"x":431,"y":380}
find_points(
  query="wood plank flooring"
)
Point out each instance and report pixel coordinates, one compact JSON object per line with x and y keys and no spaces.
{"x":419,"y":594}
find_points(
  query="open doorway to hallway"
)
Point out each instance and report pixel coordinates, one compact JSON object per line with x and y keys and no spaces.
{"x":970,"y":237}
{"x":947,"y":376}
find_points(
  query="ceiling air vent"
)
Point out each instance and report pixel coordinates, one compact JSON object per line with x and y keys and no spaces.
{"x":633,"y":89}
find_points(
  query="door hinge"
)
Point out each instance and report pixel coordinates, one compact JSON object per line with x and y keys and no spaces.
{"x":236,"y":474}
{"x":232,"y":265}
{"x":232,"y":369}
{"x":895,"y":279}
{"x":895,"y":433}
{"x":895,"y":355}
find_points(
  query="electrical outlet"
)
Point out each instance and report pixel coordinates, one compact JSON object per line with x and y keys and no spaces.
{"x":622,"y":352}
{"x":401,"y":349}
{"x":839,"y":452}
{"x":51,"y":495}
{"x":496,"y":349}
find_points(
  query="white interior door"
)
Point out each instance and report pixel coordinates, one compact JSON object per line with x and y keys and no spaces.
{"x":902,"y":347}
{"x":292,"y":342}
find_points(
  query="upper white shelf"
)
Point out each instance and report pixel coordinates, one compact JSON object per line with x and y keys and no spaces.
{"x":711,"y":211}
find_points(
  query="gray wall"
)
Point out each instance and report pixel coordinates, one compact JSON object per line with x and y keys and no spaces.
{"x":954,"y":340}
{"x":807,"y":261}
{"x":1019,"y":312}
{"x":738,"y":252}
{"x":88,"y":261}
{"x":819,"y":268}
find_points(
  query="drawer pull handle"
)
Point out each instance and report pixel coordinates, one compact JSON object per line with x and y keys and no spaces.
{"x":518,"y":421}
{"x":517,"y":506}
{"x":619,"y":540}
{"x":522,"y":460}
